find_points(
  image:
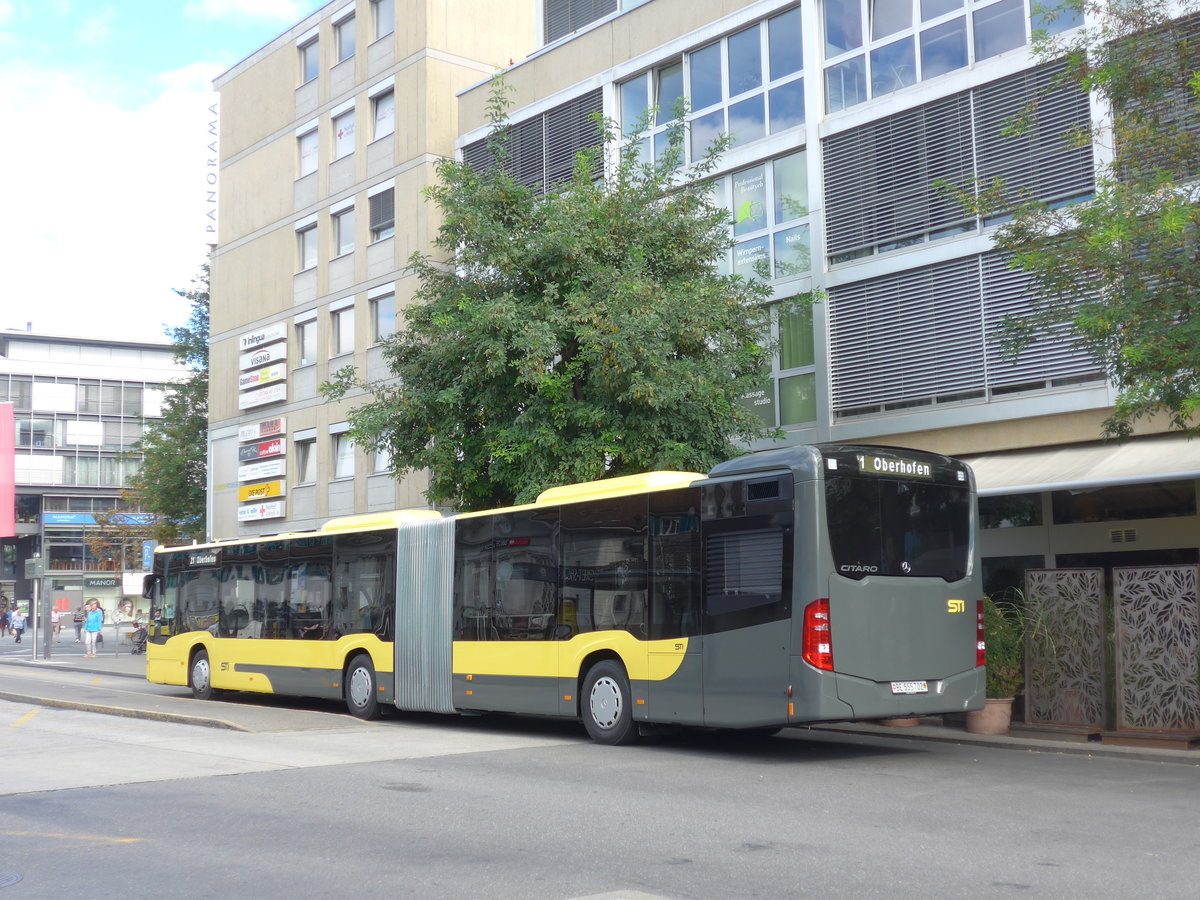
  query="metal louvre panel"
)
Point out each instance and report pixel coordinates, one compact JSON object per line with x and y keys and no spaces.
{"x":1056,"y":355}
{"x":476,"y":156}
{"x":570,"y":128}
{"x":564,"y":16}
{"x":542,"y":149}
{"x":881,"y":180}
{"x":527,"y":146}
{"x":1041,"y":161}
{"x":382,"y":209}
{"x":424,"y":615}
{"x":908,"y":336}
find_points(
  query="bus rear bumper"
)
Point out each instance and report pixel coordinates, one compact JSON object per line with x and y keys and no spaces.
{"x":885,"y":699}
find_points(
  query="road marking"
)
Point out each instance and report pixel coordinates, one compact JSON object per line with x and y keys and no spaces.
{"x":25,"y":718}
{"x":97,"y":680}
{"x":94,"y":838}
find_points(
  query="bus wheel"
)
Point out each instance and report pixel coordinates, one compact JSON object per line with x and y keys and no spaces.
{"x":201,"y":676}
{"x":606,"y":705}
{"x":361,"y":696}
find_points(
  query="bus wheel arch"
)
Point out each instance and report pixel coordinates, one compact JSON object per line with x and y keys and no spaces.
{"x":606,"y":703}
{"x":200,"y":674}
{"x":361,"y":690}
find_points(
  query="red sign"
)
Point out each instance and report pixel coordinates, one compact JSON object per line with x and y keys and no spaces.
{"x":261,"y":451}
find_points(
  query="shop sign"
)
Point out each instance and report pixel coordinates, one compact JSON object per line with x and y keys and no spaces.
{"x":269,"y":469}
{"x":248,"y":492}
{"x":272,"y":393}
{"x":263,"y":336}
{"x":264,"y":429}
{"x":262,"y":450}
{"x":262,"y":356}
{"x":100,"y":582}
{"x":272,"y":510}
{"x":265,"y":375}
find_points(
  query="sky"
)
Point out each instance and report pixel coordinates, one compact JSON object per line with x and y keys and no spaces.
{"x":105,"y":151}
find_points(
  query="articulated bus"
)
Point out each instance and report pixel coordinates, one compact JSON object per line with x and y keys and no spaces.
{"x":797,"y":585}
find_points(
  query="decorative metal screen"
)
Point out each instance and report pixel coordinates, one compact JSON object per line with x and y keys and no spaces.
{"x":1064,"y":683}
{"x":1157,"y":641}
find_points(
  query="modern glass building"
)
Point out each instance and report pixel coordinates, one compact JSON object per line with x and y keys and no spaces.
{"x":78,"y":405}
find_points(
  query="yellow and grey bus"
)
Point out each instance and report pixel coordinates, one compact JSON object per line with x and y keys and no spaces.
{"x":803,"y":584}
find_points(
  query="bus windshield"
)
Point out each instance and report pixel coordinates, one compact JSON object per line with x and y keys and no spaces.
{"x":879,"y":526}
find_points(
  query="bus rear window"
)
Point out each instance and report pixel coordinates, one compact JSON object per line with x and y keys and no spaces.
{"x":878,"y":526}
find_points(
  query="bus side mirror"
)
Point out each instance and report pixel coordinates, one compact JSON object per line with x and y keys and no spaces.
{"x":149,"y":587}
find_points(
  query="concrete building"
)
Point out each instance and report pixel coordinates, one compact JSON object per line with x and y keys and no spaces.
{"x":847,"y":114}
{"x":846,"y":119}
{"x":328,"y":135}
{"x":77,"y":406}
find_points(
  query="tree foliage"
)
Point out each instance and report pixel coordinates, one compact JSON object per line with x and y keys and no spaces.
{"x":172,"y":481}
{"x":580,"y":334}
{"x":1123,"y":268}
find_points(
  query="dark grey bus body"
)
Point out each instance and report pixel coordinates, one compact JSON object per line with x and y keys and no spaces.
{"x":903,"y":642}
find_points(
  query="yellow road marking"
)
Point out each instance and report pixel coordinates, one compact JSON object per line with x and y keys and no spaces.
{"x":25,"y":718}
{"x":95,"y":838}
{"x":97,"y":680}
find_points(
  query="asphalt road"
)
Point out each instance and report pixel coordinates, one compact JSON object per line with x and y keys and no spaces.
{"x":435,"y":807}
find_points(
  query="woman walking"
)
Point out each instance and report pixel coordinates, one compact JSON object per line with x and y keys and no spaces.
{"x":93,"y":622}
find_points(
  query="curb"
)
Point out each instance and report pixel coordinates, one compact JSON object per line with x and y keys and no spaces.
{"x":126,"y":712}
{"x":1025,"y":745}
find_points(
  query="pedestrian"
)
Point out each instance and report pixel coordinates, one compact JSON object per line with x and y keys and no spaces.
{"x":4,"y":621}
{"x":17,"y":620}
{"x":93,"y":622}
{"x":78,"y":618}
{"x":56,"y":623}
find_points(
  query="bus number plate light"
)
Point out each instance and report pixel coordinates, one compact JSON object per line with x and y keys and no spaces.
{"x":910,"y":687}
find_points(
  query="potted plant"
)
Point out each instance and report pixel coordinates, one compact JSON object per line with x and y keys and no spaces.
{"x":1004,"y":634}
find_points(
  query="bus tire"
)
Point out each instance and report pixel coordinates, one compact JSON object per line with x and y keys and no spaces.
{"x":200,"y":676}
{"x":607,"y":705}
{"x":362,"y":696}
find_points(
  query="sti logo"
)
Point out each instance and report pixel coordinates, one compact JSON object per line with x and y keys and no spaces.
{"x":956,"y":606}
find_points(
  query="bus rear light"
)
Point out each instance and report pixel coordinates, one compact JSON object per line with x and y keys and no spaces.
{"x":980,"y":636}
{"x":818,"y":639}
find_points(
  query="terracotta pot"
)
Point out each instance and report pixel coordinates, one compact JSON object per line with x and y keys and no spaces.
{"x":994,"y":718}
{"x":901,"y":722}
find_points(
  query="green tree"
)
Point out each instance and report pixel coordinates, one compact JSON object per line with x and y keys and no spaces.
{"x":1122,"y":270}
{"x":580,"y":334}
{"x":172,"y":481}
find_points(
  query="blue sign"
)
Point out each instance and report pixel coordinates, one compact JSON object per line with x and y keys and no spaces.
{"x":68,"y":519}
{"x":147,"y":556}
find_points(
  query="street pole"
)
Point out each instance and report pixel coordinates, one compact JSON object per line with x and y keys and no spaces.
{"x":47,"y":631}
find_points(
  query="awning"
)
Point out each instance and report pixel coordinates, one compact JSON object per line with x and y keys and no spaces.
{"x":1086,"y":466}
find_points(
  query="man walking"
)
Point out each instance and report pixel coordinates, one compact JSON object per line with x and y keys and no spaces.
{"x":17,"y":622}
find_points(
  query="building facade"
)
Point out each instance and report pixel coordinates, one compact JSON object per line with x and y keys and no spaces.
{"x":328,"y":136}
{"x":78,"y":406}
{"x":850,"y":120}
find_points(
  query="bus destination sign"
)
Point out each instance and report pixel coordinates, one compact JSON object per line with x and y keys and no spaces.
{"x":871,"y":464}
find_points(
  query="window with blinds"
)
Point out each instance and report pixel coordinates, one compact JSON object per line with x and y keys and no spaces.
{"x":933,"y":335}
{"x":886,"y":183}
{"x":542,"y":149}
{"x":561,"y":17}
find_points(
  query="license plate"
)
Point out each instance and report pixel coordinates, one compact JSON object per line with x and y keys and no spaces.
{"x":910,"y":687}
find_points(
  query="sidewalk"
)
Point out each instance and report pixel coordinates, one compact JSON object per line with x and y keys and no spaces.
{"x":126,"y":665}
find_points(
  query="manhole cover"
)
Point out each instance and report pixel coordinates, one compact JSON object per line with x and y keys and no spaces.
{"x":8,"y":878}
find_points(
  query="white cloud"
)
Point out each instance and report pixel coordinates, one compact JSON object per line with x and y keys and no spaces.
{"x":270,"y":10}
{"x":105,"y":204}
